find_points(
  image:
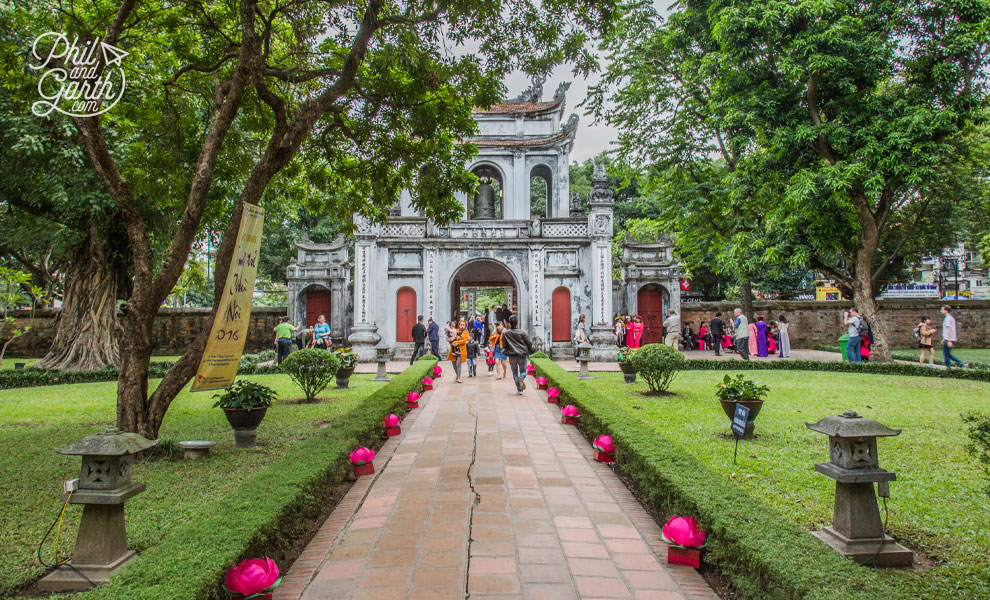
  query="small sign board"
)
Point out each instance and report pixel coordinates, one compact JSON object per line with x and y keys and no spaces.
{"x":739,"y":420}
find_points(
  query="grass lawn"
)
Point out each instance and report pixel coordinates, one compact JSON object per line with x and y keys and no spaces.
{"x":33,"y":421}
{"x":937,"y":503}
{"x":8,"y":362}
{"x":974,"y":355}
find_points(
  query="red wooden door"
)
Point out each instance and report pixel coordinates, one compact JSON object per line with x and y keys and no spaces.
{"x":405,"y":314}
{"x":650,"y":303}
{"x":317,"y":303}
{"x":560,"y":315}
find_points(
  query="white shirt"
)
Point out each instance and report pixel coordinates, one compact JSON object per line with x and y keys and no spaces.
{"x":949,"y":328}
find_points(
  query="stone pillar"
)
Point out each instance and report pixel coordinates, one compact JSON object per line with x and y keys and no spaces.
{"x":536,"y":300}
{"x":430,"y":284}
{"x":520,"y":183}
{"x":364,"y":333}
{"x":472,"y":296}
{"x":600,"y":228}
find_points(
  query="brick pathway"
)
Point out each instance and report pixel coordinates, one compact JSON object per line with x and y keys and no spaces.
{"x":486,"y":494}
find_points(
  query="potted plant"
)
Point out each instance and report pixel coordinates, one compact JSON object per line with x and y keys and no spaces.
{"x":245,"y":404}
{"x":348,"y":360}
{"x":740,"y":390}
{"x":626,"y":365}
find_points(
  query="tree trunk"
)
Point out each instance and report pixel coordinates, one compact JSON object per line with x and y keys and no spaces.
{"x":86,"y":334}
{"x":864,"y":290}
{"x":746,"y":299}
{"x":133,"y":412}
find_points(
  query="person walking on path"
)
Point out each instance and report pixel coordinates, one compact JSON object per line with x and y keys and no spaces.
{"x":717,"y":328}
{"x":433,"y":334}
{"x":502,"y":369}
{"x":458,"y":349}
{"x":518,"y":347}
{"x":925,"y":334}
{"x":283,"y":338}
{"x":673,"y":326}
{"x":949,"y":338}
{"x":762,"y":349}
{"x":489,"y":323}
{"x":580,"y":335}
{"x":785,"y":337}
{"x":419,"y":339}
{"x":473,"y":350}
{"x":741,"y":323}
{"x":855,"y":331}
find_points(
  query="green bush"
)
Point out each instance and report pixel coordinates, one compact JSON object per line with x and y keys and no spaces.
{"x":979,"y":439}
{"x":265,"y":515}
{"x":739,"y":389}
{"x":250,"y":361}
{"x":658,"y":365}
{"x":312,"y":369}
{"x":539,"y":355}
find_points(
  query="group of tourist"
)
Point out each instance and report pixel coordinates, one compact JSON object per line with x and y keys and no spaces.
{"x":925,"y":333}
{"x":628,"y":331}
{"x":507,"y":350}
{"x":319,"y":336}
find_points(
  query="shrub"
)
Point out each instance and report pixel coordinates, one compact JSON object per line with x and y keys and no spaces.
{"x":246,"y":395}
{"x":312,"y":369}
{"x":250,"y":361}
{"x":658,"y":365}
{"x":539,"y":355}
{"x":979,"y":439}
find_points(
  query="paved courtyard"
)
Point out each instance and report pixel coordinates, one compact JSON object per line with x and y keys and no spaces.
{"x":486,"y":494}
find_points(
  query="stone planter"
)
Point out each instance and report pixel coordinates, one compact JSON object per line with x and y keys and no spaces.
{"x":245,"y":424}
{"x":754,"y":406}
{"x":628,"y":371}
{"x":343,"y":377}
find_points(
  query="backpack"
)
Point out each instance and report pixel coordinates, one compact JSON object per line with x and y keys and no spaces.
{"x":917,"y":332}
{"x":862,"y":328}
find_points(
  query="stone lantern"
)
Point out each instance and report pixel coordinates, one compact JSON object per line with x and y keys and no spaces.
{"x":381,"y":356}
{"x":103,"y":487}
{"x":857,"y":531}
{"x":584,"y":355}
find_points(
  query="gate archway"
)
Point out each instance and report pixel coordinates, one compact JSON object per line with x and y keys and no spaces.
{"x":318,"y":303}
{"x":475,"y":275}
{"x":649,"y":301}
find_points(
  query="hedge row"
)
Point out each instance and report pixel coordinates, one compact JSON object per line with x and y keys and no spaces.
{"x":35,"y":377}
{"x":264,"y":515}
{"x":875,"y":368}
{"x":912,"y":356}
{"x":763,"y":554}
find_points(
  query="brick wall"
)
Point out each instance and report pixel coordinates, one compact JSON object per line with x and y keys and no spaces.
{"x":174,"y":329}
{"x":815,"y":323}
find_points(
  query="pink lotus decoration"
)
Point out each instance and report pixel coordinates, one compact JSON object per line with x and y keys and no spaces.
{"x":541,"y":381}
{"x":604,"y":443}
{"x":427,"y":381}
{"x":437,"y":371}
{"x":530,"y":369}
{"x":570,"y":411}
{"x":362,"y":456}
{"x":391,"y":421}
{"x":253,"y":576}
{"x":684,"y":532}
{"x":553,"y":392}
{"x":412,"y":397}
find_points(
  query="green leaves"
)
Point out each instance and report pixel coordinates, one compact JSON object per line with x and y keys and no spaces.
{"x":312,"y":369}
{"x":245,"y":395}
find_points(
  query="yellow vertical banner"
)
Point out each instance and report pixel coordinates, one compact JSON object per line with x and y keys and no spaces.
{"x":222,"y":355}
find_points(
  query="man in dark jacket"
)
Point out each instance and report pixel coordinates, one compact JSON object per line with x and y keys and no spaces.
{"x":419,"y":339}
{"x":433,"y":334}
{"x":718,"y":330}
{"x":518,"y":347}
